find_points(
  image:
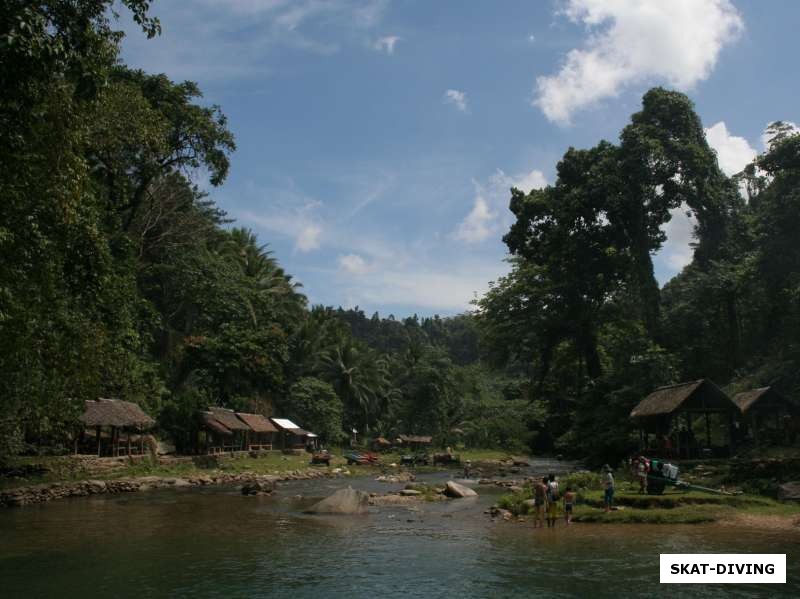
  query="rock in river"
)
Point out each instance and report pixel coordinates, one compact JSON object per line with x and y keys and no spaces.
{"x":344,"y":501}
{"x":789,"y":491}
{"x":458,"y":491}
{"x":258,"y":488}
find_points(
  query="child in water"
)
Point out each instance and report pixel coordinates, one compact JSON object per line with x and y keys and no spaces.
{"x":569,"y":503}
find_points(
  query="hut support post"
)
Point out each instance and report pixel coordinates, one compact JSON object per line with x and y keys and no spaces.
{"x":98,"y":441}
{"x":708,"y":431}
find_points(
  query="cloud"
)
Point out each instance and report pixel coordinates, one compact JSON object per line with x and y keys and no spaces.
{"x":456,"y":98}
{"x":287,"y":214}
{"x":634,"y":41}
{"x":677,"y":251}
{"x":238,"y":37}
{"x":386,"y":44}
{"x":477,"y":225}
{"x":308,"y":238}
{"x":489,"y":214}
{"x":353,"y":264}
{"x":733,"y":152}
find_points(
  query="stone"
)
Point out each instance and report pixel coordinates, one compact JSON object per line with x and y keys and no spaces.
{"x":458,"y":491}
{"x":344,"y":501}
{"x":529,"y":503}
{"x":410,"y":492}
{"x":789,"y":491}
{"x":258,"y":488}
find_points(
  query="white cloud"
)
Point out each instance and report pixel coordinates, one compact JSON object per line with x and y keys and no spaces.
{"x":631,"y":41}
{"x":677,"y":251}
{"x":353,"y":264}
{"x":386,"y":44}
{"x":489,"y":214}
{"x":456,"y":98}
{"x":733,"y":152}
{"x":477,"y":225}
{"x":237,"y":37}
{"x":287,"y":214}
{"x":531,"y":38}
{"x":308,"y":238}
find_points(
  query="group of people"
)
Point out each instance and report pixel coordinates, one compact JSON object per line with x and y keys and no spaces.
{"x":547,"y":502}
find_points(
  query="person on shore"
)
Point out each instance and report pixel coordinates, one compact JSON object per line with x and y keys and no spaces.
{"x":569,"y":503}
{"x":608,"y":484}
{"x":641,"y":473}
{"x":467,"y":469}
{"x":539,"y":502}
{"x":552,"y":501}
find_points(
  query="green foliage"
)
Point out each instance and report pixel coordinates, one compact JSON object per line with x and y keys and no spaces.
{"x":314,"y":403}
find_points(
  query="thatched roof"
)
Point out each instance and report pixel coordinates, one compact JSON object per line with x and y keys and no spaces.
{"x":695,"y":396}
{"x":229,"y":419}
{"x":257,"y":422}
{"x":765,"y":396}
{"x":424,"y":439}
{"x":215,"y":425}
{"x":115,"y":412}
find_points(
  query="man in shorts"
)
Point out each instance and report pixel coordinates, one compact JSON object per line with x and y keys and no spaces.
{"x":539,"y":502}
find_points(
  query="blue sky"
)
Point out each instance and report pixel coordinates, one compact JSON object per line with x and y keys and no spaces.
{"x":377,"y":140}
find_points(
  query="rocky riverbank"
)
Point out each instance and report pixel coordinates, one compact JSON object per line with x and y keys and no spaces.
{"x":43,"y":493}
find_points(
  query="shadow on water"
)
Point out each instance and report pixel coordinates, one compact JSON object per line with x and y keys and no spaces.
{"x":213,"y":542}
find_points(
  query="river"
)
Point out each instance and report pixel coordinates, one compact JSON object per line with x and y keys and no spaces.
{"x":212,"y":542}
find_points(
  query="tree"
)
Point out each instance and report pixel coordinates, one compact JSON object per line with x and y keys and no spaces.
{"x":315,"y":404}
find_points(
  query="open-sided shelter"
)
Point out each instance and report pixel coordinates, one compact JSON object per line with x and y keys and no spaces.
{"x":765,"y":413}
{"x":672,"y":412}
{"x":120,"y":423}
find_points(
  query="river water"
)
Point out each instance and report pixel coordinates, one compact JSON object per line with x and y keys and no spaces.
{"x":212,"y":542}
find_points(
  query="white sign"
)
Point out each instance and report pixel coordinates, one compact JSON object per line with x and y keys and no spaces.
{"x":703,"y":568}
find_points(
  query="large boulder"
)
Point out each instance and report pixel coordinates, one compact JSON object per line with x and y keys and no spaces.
{"x":262,"y":487}
{"x":344,"y":501}
{"x":789,"y":491}
{"x":458,"y":491}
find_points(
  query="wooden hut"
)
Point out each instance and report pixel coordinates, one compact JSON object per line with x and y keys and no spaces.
{"x":118,"y":426}
{"x":415,"y":441}
{"x":292,"y":436}
{"x":765,"y":414}
{"x":672,"y":412}
{"x":217,"y":437}
{"x":263,"y":431}
{"x":238,"y":427}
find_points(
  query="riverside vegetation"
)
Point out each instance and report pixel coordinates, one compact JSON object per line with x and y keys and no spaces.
{"x":120,"y":276}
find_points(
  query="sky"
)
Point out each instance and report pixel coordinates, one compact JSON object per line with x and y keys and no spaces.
{"x":378,"y":140}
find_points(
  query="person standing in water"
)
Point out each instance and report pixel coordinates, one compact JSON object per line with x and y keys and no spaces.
{"x":608,"y":483}
{"x":539,"y":502}
{"x":569,"y":503}
{"x":552,"y":501}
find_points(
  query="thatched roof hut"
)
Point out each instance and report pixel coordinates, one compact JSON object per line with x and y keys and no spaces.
{"x":115,"y":413}
{"x":701,"y":396}
{"x":215,"y":426}
{"x":229,"y":419}
{"x":257,"y":422}
{"x":763,"y":398}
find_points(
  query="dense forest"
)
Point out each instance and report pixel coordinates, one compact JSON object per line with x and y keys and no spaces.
{"x":120,"y":277}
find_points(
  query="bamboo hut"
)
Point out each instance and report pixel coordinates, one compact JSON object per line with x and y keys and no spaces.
{"x":672,"y":412}
{"x":263,"y":431}
{"x":118,"y":426}
{"x":765,"y":414}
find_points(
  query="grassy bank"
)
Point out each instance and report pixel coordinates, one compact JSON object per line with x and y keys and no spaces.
{"x":39,"y":470}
